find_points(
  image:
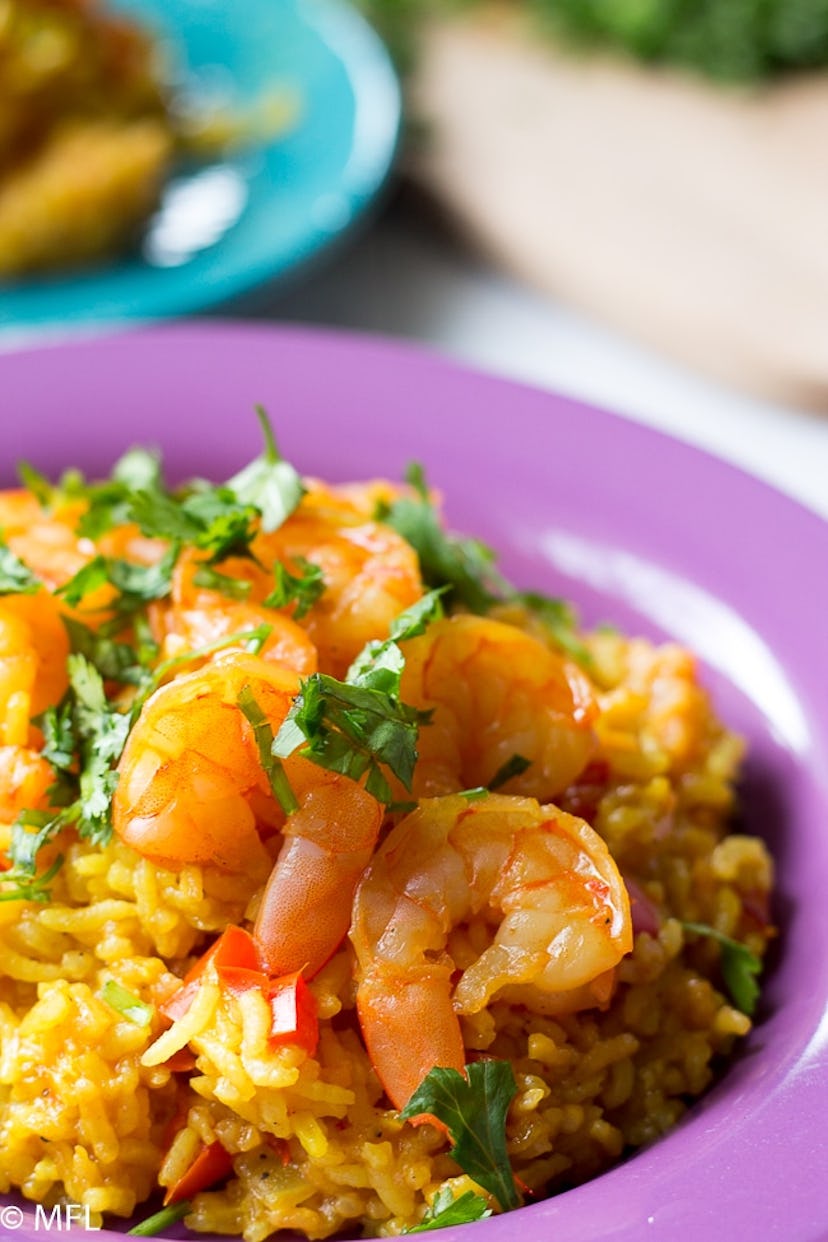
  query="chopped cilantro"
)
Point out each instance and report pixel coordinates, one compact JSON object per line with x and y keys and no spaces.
{"x":740,"y":967}
{"x":446,"y":1210}
{"x":558,"y":619}
{"x":26,"y":886}
{"x":356,"y":725}
{"x":263,"y":734}
{"x":269,"y":483}
{"x":209,"y":578}
{"x":159,"y":1221}
{"x":466,"y":568}
{"x":37,"y":484}
{"x":15,"y":577}
{"x":127,"y":1005}
{"x":303,"y":589}
{"x":512,"y":767}
{"x":473,"y":1109}
{"x":115,"y":661}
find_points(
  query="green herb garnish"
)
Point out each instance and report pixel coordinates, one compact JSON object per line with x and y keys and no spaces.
{"x":269,"y":483}
{"x":263,"y":733}
{"x":303,"y":589}
{"x":446,"y":1210}
{"x":473,"y":1109}
{"x":127,"y":1005}
{"x":740,"y":967}
{"x":15,"y":577}
{"x":359,"y":725}
{"x":155,"y":1224}
{"x":515,"y":766}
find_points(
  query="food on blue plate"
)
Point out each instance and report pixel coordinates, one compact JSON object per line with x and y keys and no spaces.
{"x":86,"y":134}
{"x":345,"y":886}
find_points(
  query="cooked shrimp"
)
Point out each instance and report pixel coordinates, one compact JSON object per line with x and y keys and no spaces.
{"x":24,"y":779}
{"x":564,"y":926}
{"x":33,"y":650}
{"x":199,"y":616}
{"x":371,"y":573}
{"x":496,"y":692}
{"x":47,"y":542}
{"x":192,"y":790}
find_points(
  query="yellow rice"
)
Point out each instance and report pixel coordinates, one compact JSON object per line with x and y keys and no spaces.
{"x":91,"y":1112}
{"x":85,"y":1113}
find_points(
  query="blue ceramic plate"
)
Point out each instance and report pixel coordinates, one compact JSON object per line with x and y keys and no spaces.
{"x":254,"y":216}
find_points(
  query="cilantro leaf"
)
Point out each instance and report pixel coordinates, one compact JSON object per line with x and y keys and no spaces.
{"x":102,"y":732}
{"x":356,"y":725}
{"x":446,"y":1210}
{"x":127,"y":1005}
{"x":515,"y":766}
{"x":15,"y":576}
{"x":740,"y":967}
{"x":465,"y":567}
{"x":19,"y":885}
{"x":209,"y":578}
{"x":269,"y":483}
{"x":303,"y":590}
{"x":473,"y":1109}
{"x":263,"y":734}
{"x":159,"y":1221}
{"x":559,"y":620}
{"x":115,"y":661}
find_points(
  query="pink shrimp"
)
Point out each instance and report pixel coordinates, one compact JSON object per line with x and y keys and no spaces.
{"x":496,"y":692}
{"x":564,"y":926}
{"x":192,"y":789}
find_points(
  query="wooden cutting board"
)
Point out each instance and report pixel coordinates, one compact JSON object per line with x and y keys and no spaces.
{"x":692,"y":217}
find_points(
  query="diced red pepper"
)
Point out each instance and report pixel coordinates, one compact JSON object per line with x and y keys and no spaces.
{"x":210,"y":1165}
{"x":235,"y":949}
{"x":180,"y":1062}
{"x":238,"y":966}
{"x":293,"y":1007}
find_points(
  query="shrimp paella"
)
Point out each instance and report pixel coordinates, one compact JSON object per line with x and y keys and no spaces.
{"x":345,"y":887}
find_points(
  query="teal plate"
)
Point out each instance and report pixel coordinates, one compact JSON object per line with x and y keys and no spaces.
{"x":254,"y":216}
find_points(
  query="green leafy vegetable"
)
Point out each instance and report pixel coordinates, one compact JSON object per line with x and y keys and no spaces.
{"x":359,"y":725}
{"x":127,"y":1005}
{"x":303,"y":590}
{"x":512,"y":767}
{"x":466,"y":570}
{"x":740,"y":967}
{"x":727,"y":40}
{"x":269,"y":483}
{"x":446,"y":1210}
{"x":156,"y":1224}
{"x":473,"y":1109}
{"x":19,"y":885}
{"x":464,"y":567}
{"x":263,"y":734}
{"x":15,"y":577}
{"x":210,"y":578}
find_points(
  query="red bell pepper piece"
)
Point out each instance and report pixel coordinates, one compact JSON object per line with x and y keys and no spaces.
{"x":210,"y":1165}
{"x":293,"y":1007}
{"x":234,"y":949}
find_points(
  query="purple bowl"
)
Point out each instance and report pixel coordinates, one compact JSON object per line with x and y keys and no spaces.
{"x":637,"y":529}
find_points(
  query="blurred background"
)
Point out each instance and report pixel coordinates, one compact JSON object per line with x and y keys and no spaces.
{"x":625,"y":202}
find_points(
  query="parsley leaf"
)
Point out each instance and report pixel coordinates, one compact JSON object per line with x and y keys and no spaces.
{"x":356,"y":725}
{"x":15,"y":577}
{"x":102,"y":733}
{"x":446,"y":1210}
{"x":115,"y":661}
{"x":740,"y":967}
{"x":302,"y":590}
{"x":25,"y":886}
{"x":269,"y":483}
{"x":474,"y":1108}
